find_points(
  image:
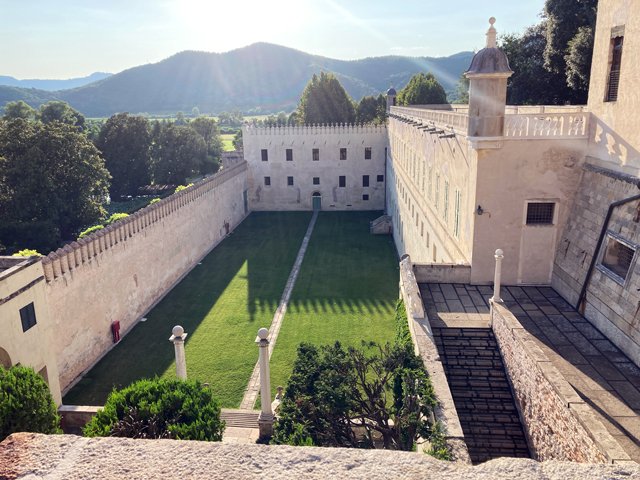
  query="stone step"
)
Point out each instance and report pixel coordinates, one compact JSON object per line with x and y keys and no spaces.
{"x":240,"y":418}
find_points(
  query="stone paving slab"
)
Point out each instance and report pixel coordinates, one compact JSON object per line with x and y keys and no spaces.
{"x":603,"y":376}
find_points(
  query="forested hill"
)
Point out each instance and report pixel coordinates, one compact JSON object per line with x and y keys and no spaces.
{"x":53,"y":85}
{"x":261,"y":75}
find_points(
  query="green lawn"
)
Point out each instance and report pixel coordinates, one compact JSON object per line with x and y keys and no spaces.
{"x":221,"y":304}
{"x":346,"y":290}
{"x":227,"y":142}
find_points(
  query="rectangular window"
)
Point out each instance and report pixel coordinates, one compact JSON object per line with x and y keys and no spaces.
{"x":437,"y":193}
{"x":540,"y":213}
{"x":422,"y":229}
{"x":289,"y":153}
{"x":445,"y":213}
{"x":380,"y":178}
{"x":365,"y":180}
{"x":28,"y":317}
{"x":342,"y":181}
{"x":343,"y":154}
{"x":316,"y":180}
{"x":290,"y":181}
{"x":456,"y":220}
{"x":315,"y":154}
{"x":367,"y":153}
{"x":365,"y":197}
{"x":617,"y":257}
{"x":267,"y":181}
{"x":265,"y":155}
{"x":614,"y":69}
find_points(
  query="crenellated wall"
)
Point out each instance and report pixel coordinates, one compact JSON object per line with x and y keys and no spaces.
{"x":120,"y":272}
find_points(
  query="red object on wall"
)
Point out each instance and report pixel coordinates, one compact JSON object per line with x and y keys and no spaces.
{"x":115,"y":331}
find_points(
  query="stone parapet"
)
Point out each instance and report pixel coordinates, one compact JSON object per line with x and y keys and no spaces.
{"x":558,"y":423}
{"x":314,"y":129}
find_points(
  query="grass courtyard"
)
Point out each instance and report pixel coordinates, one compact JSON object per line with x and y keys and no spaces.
{"x":346,"y":290}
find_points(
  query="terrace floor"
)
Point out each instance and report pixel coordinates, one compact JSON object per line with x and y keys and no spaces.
{"x":600,"y":373}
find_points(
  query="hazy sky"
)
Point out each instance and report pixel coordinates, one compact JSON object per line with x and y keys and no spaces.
{"x":68,"y":38}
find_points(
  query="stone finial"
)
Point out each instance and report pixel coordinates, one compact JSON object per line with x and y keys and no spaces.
{"x":491,"y":34}
{"x":177,"y":331}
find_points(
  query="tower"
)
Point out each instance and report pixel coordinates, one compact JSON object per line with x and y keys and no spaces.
{"x":391,"y":98}
{"x":488,"y":74}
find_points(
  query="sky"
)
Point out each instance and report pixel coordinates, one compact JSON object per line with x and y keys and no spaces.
{"x":72,"y":38}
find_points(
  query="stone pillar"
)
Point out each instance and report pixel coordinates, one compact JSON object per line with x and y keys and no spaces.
{"x":499,"y":255}
{"x":177,"y":338}
{"x":265,"y":420}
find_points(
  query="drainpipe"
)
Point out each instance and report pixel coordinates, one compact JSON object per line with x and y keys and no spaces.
{"x":581,"y":305}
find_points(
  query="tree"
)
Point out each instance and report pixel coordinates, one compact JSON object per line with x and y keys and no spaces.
{"x":125,"y":143}
{"x":344,"y":397}
{"x":371,"y":110}
{"x":461,"y":95}
{"x":422,"y":89}
{"x":57,"y":111}
{"x":237,"y":140}
{"x":578,"y":60}
{"x":324,"y":100}
{"x":19,"y":109}
{"x":178,"y":153}
{"x":52,"y":182}
{"x":207,"y":128}
{"x":26,"y":404}
{"x":159,"y":408}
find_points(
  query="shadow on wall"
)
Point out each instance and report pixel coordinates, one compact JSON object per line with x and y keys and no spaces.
{"x":612,"y":146}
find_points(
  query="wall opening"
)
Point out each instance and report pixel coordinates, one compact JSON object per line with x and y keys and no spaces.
{"x":316,"y":201}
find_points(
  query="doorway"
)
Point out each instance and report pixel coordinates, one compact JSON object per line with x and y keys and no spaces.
{"x":316,"y":201}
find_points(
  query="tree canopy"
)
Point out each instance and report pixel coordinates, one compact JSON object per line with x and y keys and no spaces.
{"x":19,"y":109}
{"x":178,"y":153}
{"x":57,"y":111}
{"x":324,"y":100}
{"x":422,"y":89}
{"x":52,"y":182}
{"x":125,"y":143}
{"x":371,"y":110}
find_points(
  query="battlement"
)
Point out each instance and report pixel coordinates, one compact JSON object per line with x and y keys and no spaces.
{"x":78,"y":253}
{"x":315,"y":129}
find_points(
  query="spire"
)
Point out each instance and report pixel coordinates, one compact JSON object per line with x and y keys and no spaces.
{"x":491,"y":34}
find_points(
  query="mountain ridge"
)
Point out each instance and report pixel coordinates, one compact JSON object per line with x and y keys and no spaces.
{"x":52,"y":85}
{"x":260,"y":76}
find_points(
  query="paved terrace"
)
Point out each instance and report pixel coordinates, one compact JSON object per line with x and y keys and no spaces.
{"x":600,"y":373}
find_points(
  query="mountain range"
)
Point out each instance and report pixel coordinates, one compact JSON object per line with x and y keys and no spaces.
{"x":53,"y":85}
{"x":260,"y":77}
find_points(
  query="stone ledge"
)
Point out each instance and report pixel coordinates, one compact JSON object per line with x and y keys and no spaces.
{"x":28,"y":455}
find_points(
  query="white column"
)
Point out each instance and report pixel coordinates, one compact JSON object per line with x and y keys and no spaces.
{"x":499,"y":255}
{"x":178,"y":336}
{"x":265,"y":420}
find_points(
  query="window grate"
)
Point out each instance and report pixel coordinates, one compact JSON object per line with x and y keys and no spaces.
{"x":618,"y":257}
{"x":540,"y":213}
{"x":265,"y":155}
{"x":315,"y":154}
{"x":367,"y":153}
{"x":28,"y":316}
{"x":289,"y":154}
{"x":290,"y":181}
{"x":614,"y":72}
{"x":343,"y":154}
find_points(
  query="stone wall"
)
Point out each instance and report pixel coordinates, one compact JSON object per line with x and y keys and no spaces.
{"x":119,"y":273}
{"x":612,"y":303}
{"x":425,"y":346}
{"x":442,"y":273}
{"x":321,"y":176}
{"x":558,"y":423}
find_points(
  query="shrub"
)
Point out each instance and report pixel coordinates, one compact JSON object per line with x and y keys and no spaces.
{"x":159,"y":408}
{"x":154,"y":200}
{"x":26,"y":404}
{"x":179,"y":188}
{"x":27,"y":253}
{"x":90,"y":230}
{"x":115,"y":217}
{"x":403,"y":334}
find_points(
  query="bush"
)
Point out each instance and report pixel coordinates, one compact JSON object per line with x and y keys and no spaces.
{"x":115,"y":217}
{"x":43,"y":236}
{"x":159,"y":408}
{"x":154,"y":200}
{"x":26,"y":404}
{"x":90,"y":230}
{"x":179,"y":188}
{"x":27,"y":253}
{"x":403,"y":334}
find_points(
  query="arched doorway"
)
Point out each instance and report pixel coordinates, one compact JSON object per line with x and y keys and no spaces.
{"x":5,"y":359}
{"x":316,"y":201}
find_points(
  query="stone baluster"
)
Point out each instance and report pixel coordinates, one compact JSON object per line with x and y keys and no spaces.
{"x":499,"y":255}
{"x":178,"y":337}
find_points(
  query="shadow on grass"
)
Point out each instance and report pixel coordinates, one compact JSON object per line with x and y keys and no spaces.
{"x":221,"y":304}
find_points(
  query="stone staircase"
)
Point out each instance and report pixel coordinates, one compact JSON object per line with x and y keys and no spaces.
{"x":381,"y":225}
{"x":240,"y":418}
{"x":481,"y":393}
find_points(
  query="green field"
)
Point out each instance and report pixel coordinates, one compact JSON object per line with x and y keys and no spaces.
{"x":346,"y":290}
{"x":221,"y":304}
{"x":227,"y":142}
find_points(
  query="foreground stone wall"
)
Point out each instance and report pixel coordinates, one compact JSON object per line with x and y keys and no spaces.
{"x":121,"y":272}
{"x":558,"y":423}
{"x":612,"y":303}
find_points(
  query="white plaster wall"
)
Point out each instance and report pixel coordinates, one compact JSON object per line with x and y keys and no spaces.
{"x":302,"y":140}
{"x":418,"y":166}
{"x":35,"y":347}
{"x":124,"y":281}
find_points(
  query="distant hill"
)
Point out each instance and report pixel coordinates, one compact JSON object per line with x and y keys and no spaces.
{"x":261,"y":75}
{"x":53,"y":85}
